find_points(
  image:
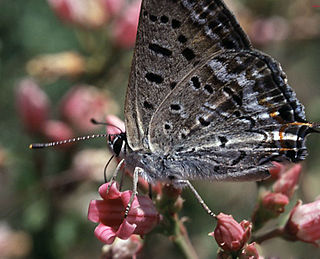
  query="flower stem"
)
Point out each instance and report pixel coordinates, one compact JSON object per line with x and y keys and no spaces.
{"x":182,"y":242}
{"x":278,"y":232}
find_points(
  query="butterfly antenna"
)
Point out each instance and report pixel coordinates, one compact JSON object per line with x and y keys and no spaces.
{"x":66,"y":141}
{"x":93,"y":121}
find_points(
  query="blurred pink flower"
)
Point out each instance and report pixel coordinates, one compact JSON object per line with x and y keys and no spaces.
{"x":13,"y":243}
{"x":109,"y":213}
{"x":116,"y":121}
{"x":229,"y":234}
{"x":32,"y":105}
{"x":56,"y":131}
{"x":113,"y":7}
{"x":274,"y":202}
{"x":123,"y":249}
{"x":88,"y":14}
{"x":268,"y":30}
{"x":50,"y":67}
{"x":288,"y":180}
{"x":304,"y":223}
{"x":125,"y":27}
{"x":81,"y":104}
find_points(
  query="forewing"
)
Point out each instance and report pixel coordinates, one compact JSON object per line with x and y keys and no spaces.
{"x":174,"y":36}
{"x":236,"y":112}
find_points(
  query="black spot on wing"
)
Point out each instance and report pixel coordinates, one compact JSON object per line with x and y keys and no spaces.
{"x":188,"y":54}
{"x":182,"y":39}
{"x":175,"y":107}
{"x":164,"y":19}
{"x":223,"y":140}
{"x":195,"y":82}
{"x":204,"y":122}
{"x":147,"y":105}
{"x":160,"y":50}
{"x":153,"y":18}
{"x":175,"y":24}
{"x":154,"y":78}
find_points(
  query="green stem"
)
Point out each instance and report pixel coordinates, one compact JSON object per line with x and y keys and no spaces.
{"x":182,"y":242}
{"x":278,"y":232}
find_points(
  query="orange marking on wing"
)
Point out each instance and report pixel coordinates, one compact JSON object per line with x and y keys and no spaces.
{"x":281,"y":131}
{"x":273,"y":114}
{"x":285,"y":149}
{"x":302,"y":124}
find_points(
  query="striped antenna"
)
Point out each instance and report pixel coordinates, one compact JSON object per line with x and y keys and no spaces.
{"x":66,"y":141}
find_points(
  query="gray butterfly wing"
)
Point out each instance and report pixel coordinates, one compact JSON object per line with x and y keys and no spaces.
{"x":228,"y":118}
{"x":173,"y":38}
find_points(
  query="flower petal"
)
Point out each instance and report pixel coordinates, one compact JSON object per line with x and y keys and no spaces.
{"x":105,"y":234}
{"x":113,"y":192}
{"x":125,"y":230}
{"x":93,"y":213}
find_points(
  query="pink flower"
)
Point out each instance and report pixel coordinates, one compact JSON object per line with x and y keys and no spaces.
{"x":113,"y":7}
{"x":125,"y":27}
{"x":88,"y":14}
{"x":229,"y":234}
{"x":264,"y":31}
{"x":123,"y":249}
{"x":304,"y":223}
{"x":109,"y":213}
{"x":57,"y":130}
{"x":32,"y":105}
{"x":81,"y":104}
{"x":288,"y":180}
{"x":274,"y":202}
{"x":116,"y":121}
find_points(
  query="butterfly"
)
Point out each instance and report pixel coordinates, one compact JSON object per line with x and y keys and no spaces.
{"x":202,"y":103}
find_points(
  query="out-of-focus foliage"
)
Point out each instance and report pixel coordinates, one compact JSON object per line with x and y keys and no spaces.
{"x":78,"y":54}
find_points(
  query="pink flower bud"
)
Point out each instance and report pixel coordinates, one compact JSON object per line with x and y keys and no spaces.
{"x":56,"y":131}
{"x":304,"y":223}
{"x":274,"y":202}
{"x":249,"y":252}
{"x":125,"y":27}
{"x":109,"y":213}
{"x":276,"y":170}
{"x":81,"y":104}
{"x":32,"y":105}
{"x":288,"y":180}
{"x":229,"y":234}
{"x":87,"y":14}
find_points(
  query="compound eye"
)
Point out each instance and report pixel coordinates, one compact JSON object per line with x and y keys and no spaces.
{"x":117,"y":145}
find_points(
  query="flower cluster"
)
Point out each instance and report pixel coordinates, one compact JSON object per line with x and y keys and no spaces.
{"x":78,"y":106}
{"x":273,"y":201}
{"x":95,"y":14}
{"x":110,"y":212}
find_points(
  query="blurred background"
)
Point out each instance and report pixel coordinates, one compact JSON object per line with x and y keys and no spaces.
{"x":63,"y":62}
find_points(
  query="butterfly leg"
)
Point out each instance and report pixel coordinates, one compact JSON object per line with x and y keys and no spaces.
{"x":136,"y":173}
{"x":201,"y":201}
{"x":115,"y":173}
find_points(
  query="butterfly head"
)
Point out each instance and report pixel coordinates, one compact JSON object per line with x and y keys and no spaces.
{"x":117,"y":142}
